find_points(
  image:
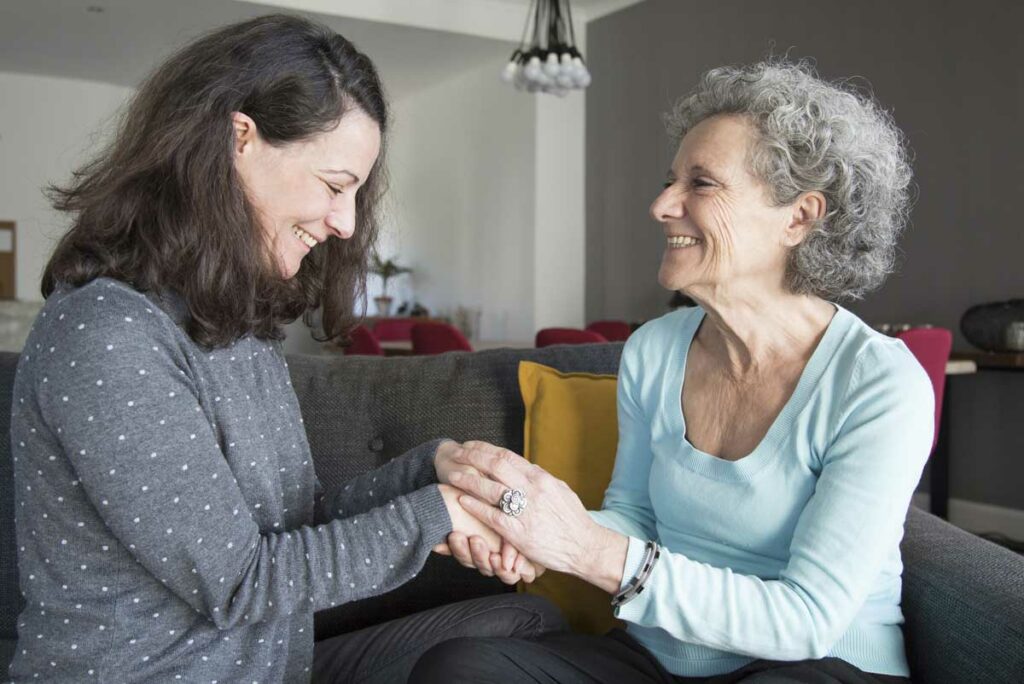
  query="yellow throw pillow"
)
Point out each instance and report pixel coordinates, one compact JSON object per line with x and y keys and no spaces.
{"x":572,"y":432}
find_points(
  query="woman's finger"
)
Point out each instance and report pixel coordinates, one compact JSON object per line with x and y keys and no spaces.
{"x":526,"y":570}
{"x":465,"y":470}
{"x":479,"y":486}
{"x":459,"y":545}
{"x":443,"y":550}
{"x":481,"y":556}
{"x":498,"y":464}
{"x":488,"y":515}
{"x":481,"y":445}
{"x":509,"y":554}
{"x":506,"y":576}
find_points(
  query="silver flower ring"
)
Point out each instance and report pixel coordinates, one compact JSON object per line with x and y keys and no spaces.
{"x":513,"y":502}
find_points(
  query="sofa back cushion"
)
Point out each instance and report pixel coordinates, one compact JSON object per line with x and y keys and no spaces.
{"x":10,"y":595}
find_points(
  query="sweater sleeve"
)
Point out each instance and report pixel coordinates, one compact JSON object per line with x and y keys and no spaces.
{"x":409,"y":472}
{"x":627,"y":503}
{"x":128,"y":417}
{"x":855,"y":516}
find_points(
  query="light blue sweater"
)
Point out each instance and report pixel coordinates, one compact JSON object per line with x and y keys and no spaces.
{"x":793,"y":551}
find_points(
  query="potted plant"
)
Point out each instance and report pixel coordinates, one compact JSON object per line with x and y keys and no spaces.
{"x":386,"y":269}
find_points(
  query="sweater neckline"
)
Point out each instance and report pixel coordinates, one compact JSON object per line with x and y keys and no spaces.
{"x":766,"y":450}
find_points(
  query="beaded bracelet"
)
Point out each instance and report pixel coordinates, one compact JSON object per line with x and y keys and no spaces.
{"x":652,"y":552}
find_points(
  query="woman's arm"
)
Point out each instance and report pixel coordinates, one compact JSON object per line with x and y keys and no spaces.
{"x":853,"y":519}
{"x":129,"y":421}
{"x":627,"y":502}
{"x":407,"y":473}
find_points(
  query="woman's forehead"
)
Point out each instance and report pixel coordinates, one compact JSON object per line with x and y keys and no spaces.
{"x":716,"y":142}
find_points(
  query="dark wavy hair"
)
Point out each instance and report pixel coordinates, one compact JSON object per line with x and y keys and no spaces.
{"x":162,"y":208}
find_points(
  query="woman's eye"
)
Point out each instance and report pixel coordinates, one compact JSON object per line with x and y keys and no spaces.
{"x":334,"y":191}
{"x":701,"y":183}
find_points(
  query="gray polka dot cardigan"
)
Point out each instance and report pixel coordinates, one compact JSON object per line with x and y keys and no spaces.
{"x":170,"y":525}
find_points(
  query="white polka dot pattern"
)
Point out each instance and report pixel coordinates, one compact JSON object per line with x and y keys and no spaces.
{"x":169,"y":519}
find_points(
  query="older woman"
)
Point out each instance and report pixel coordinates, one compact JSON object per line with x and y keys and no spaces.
{"x":769,"y":440}
{"x":170,"y":524}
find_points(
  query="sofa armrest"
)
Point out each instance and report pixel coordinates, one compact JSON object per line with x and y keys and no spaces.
{"x":963,"y":599}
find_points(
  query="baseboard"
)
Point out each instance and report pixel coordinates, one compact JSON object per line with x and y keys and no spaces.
{"x":977,"y":517}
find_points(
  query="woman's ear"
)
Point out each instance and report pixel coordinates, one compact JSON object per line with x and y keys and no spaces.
{"x":808,"y":209}
{"x":245,"y":132}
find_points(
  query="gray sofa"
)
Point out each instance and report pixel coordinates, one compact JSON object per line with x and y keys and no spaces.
{"x":963,"y":596}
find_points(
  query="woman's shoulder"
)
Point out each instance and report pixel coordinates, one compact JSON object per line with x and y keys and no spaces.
{"x":102,"y":299}
{"x":874,"y":358}
{"x":652,"y":345}
{"x":102,"y":310}
{"x":661,"y":331}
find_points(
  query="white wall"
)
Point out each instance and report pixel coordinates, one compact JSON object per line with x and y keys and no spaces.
{"x":48,"y":127}
{"x":559,"y":241}
{"x":461,"y":207}
{"x":461,"y":211}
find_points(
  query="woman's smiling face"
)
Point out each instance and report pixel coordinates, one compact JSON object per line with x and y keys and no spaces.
{"x":720,"y":226}
{"x":305,"y":192}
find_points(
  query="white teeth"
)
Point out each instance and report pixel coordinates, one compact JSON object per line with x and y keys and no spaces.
{"x":308,"y":239}
{"x":682,"y":241}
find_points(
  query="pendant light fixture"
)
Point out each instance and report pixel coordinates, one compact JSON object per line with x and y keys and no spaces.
{"x":550,"y":62}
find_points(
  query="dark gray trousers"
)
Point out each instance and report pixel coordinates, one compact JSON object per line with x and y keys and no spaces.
{"x":615,"y":658}
{"x":386,"y":653}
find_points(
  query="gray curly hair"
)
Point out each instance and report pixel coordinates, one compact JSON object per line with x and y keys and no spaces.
{"x":815,"y":135}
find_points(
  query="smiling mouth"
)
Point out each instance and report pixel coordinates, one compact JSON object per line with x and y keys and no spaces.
{"x":682,"y":241}
{"x":306,"y":238}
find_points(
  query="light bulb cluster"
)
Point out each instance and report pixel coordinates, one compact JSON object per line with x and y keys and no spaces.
{"x":550,"y":63}
{"x":547,"y":72}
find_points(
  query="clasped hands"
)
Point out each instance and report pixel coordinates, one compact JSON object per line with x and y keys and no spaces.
{"x":555,"y":531}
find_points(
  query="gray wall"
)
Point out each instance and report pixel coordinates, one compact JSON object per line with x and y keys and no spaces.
{"x":950,"y":72}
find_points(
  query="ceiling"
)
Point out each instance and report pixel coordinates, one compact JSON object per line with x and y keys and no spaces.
{"x":591,"y":8}
{"x":124,"y":41}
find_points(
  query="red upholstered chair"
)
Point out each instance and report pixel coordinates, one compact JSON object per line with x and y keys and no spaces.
{"x":931,"y":348}
{"x":613,"y":331}
{"x":438,"y":338}
{"x":394,"y":329}
{"x":550,"y":336}
{"x":364,"y":343}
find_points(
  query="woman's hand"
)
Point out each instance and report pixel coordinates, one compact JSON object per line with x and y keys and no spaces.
{"x":475,"y":545}
{"x":465,"y":524}
{"x":553,"y":530}
{"x":509,"y":566}
{"x":445,"y":462}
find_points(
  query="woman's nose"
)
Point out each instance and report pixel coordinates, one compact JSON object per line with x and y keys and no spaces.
{"x":668,"y":205}
{"x":342,"y":222}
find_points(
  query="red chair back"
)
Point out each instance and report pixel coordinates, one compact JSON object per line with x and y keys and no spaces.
{"x":438,"y":338}
{"x":394,"y":329}
{"x":550,"y":336}
{"x":931,"y":347}
{"x":364,"y":343}
{"x":613,"y":331}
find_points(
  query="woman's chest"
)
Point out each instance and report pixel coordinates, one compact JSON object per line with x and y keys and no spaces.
{"x":727,"y":417}
{"x":725,"y":515}
{"x":255,"y":417}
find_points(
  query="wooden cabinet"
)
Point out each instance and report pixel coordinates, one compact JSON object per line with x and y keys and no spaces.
{"x":8,"y":255}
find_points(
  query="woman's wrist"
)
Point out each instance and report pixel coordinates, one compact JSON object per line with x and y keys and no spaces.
{"x":602,"y":559}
